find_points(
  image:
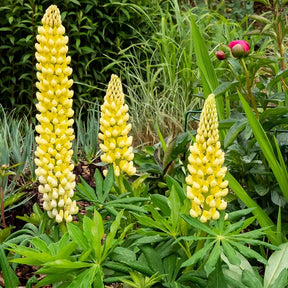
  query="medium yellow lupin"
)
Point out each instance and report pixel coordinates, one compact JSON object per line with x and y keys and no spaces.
{"x":206,"y":186}
{"x":117,"y":145}
{"x":54,"y":171}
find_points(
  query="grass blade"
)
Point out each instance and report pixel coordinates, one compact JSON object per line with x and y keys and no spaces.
{"x":279,"y":171}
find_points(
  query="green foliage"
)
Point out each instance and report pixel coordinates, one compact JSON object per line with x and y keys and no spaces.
{"x":17,"y":143}
{"x":225,"y":238}
{"x":164,"y":158}
{"x":11,"y":280}
{"x":276,"y":270}
{"x":106,"y":202}
{"x":35,"y":218}
{"x":163,"y":51}
{"x":85,"y":145}
{"x":79,"y":253}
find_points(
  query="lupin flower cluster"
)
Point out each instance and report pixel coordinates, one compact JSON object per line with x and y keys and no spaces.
{"x":206,"y":185}
{"x":54,"y":168}
{"x":117,"y":145}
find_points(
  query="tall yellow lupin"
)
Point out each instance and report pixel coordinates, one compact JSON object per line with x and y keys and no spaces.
{"x":114,"y":130}
{"x":206,"y":186}
{"x":54,"y":172}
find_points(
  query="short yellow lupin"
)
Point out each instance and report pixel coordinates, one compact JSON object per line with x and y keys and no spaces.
{"x":117,"y":145}
{"x":206,"y":186}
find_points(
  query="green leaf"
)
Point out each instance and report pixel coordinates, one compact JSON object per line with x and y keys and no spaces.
{"x":174,"y":204}
{"x":153,"y":258}
{"x":199,"y":225}
{"x":116,"y":267}
{"x":148,"y":240}
{"x":233,"y":227}
{"x":171,"y":182}
{"x":161,"y":202}
{"x":198,"y":255}
{"x":147,"y":221}
{"x":260,"y":18}
{"x":108,"y":182}
{"x":272,"y":113}
{"x":234,"y":131}
{"x":75,"y":2}
{"x":225,"y":86}
{"x":247,"y":252}
{"x":84,"y":279}
{"x":129,"y":200}
{"x":251,"y":280}
{"x":40,"y":245}
{"x":31,"y":257}
{"x":230,"y":253}
{"x":207,"y":72}
{"x":127,"y":207}
{"x":10,"y":279}
{"x":214,"y":256}
{"x":136,"y":265}
{"x":233,"y":275}
{"x":97,"y":232}
{"x":277,"y":78}
{"x":110,"y":238}
{"x":65,"y":251}
{"x":85,"y":191}
{"x":121,"y":253}
{"x":216,"y":279}
{"x":276,"y":264}
{"x":281,"y":280}
{"x":232,"y":216}
{"x":4,"y":233}
{"x":181,"y":142}
{"x":161,"y":138}
{"x":62,"y":266}
{"x":52,"y":279}
{"x":99,"y":185}
{"x":77,"y":235}
{"x":203,"y":61}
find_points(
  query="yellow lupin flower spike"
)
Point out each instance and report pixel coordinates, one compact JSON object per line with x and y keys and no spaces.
{"x":54,"y":170}
{"x":114,"y":130}
{"x":206,"y":186}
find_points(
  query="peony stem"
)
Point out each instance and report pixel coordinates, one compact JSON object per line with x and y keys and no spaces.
{"x":249,"y":85}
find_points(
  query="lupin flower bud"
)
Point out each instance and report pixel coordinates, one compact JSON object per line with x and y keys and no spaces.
{"x":114,"y":130}
{"x":206,"y":186}
{"x":54,"y":171}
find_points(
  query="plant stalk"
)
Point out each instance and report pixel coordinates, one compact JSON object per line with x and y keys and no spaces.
{"x":249,"y":86}
{"x":2,"y":206}
{"x":63,"y":227}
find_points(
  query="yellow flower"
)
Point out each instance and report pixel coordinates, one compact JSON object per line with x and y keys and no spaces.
{"x":54,"y":171}
{"x":116,"y":145}
{"x":206,"y":186}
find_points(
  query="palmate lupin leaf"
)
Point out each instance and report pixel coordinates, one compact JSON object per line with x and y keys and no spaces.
{"x":224,"y":238}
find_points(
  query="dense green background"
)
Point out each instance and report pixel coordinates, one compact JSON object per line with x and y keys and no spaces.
{"x":98,"y":31}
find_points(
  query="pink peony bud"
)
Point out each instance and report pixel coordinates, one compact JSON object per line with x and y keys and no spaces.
{"x":220,"y":55}
{"x":239,"y":48}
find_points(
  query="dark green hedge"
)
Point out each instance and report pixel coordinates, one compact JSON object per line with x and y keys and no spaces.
{"x":97,"y":29}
